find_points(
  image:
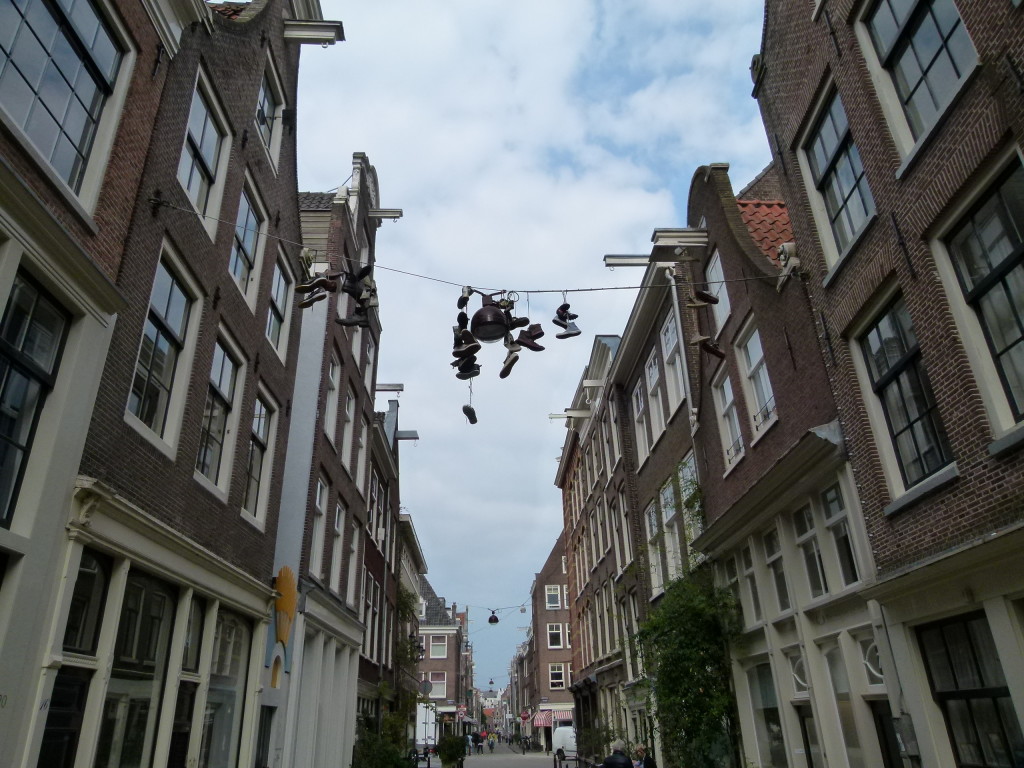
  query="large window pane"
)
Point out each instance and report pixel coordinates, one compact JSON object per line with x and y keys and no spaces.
{"x":226,"y":698}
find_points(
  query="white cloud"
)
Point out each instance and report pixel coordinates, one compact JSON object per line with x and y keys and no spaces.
{"x":523,"y":141}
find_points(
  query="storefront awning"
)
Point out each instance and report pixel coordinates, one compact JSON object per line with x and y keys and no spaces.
{"x":542,"y":718}
{"x":563,"y":715}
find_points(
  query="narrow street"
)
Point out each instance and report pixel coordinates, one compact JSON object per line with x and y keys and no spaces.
{"x":504,"y":756}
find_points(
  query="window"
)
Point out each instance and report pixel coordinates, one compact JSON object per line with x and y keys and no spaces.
{"x":838,"y":175}
{"x":758,"y":385}
{"x":773,"y":560}
{"x":968,"y":684}
{"x":348,"y":430}
{"x":730,"y":577}
{"x":439,"y":683}
{"x":807,"y":541}
{"x":316,"y":542}
{"x":613,"y":417}
{"x":554,"y":635}
{"x":225,"y":702}
{"x":556,"y":677}
{"x":652,"y":375}
{"x":692,"y":517}
{"x":654,"y":548}
{"x":729,"y":422}
{"x":675,"y":371}
{"x":278,"y":313}
{"x":368,"y":359}
{"x":60,"y":62}
{"x":331,"y":398}
{"x":200,"y":161}
{"x":750,"y":581}
{"x":767,"y":722}
{"x":715,"y":279}
{"x":32,"y":335}
{"x":927,"y":52}
{"x":439,"y":646}
{"x":353,"y":565}
{"x":337,"y":533}
{"x":163,"y":340}
{"x":552,"y":595}
{"x":220,"y":400}
{"x":250,"y":223}
{"x":266,"y":111}
{"x":987,"y":249}
{"x":901,"y":384}
{"x":671,"y":519}
{"x":640,"y":422}
{"x":839,"y":527}
{"x":259,"y":464}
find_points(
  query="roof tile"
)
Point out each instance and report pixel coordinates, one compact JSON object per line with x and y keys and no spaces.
{"x":768,"y":224}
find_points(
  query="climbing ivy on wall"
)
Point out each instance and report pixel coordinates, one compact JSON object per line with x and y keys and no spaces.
{"x":685,"y":643}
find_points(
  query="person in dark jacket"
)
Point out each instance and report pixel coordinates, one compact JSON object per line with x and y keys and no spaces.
{"x":618,"y":758}
{"x":643,"y":760}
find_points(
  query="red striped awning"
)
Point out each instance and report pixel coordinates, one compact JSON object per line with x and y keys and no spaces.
{"x":563,"y":714}
{"x":542,"y":718}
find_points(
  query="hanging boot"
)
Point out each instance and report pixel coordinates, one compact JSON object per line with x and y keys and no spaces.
{"x":470,"y":413}
{"x":526,"y":338}
{"x":570,"y":331}
{"x":467,"y":291}
{"x":510,"y":360}
{"x":313,"y":298}
{"x":465,"y":344}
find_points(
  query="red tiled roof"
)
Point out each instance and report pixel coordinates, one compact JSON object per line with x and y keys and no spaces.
{"x":768,"y":223}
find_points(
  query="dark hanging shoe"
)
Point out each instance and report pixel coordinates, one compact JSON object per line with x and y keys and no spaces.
{"x":518,"y":322}
{"x":463,"y":321}
{"x":470,"y":413}
{"x":465,"y":344}
{"x":570,"y":331}
{"x":312,"y":299}
{"x":559,"y":322}
{"x":525,"y":340}
{"x":564,"y":313}
{"x":464,"y":363}
{"x":467,"y":291}
{"x":510,"y":360}
{"x":535,"y":331}
{"x":712,"y":349}
{"x":469,"y":373}
{"x":320,"y":282}
{"x":706,"y":296}
{"x":359,"y":321}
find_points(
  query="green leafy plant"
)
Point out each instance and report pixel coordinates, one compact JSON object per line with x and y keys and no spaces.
{"x":373,"y":750}
{"x":450,"y":749}
{"x":685,"y":643}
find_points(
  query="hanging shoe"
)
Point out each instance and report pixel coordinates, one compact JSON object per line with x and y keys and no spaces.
{"x":559,"y":322}
{"x":358,"y":321}
{"x":465,"y":344}
{"x":570,"y":331}
{"x":463,"y":320}
{"x":564,"y":313}
{"x":535,"y":331}
{"x":698,"y":340}
{"x":706,"y":296}
{"x":467,"y":291}
{"x":312,"y":299}
{"x":319,"y":282}
{"x":464,"y":363}
{"x":470,"y":413}
{"x":469,"y":373}
{"x":511,"y":345}
{"x":518,"y":322}
{"x":525,"y":340}
{"x":712,"y":349}
{"x":510,"y":360}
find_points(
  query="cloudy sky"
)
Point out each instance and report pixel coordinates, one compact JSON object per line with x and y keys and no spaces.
{"x":523,"y":141}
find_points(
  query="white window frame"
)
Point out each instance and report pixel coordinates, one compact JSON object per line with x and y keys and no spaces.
{"x":284,"y":279}
{"x":222,"y":485}
{"x":337,"y":545}
{"x":675,"y":364}
{"x":714,"y":277}
{"x":209,"y":216}
{"x":348,"y":430}
{"x":643,"y":442}
{"x":351,"y":596}
{"x":654,"y":545}
{"x":553,"y":590}
{"x":553,"y":630}
{"x":318,"y":530}
{"x":87,"y":196}
{"x":275,"y":121}
{"x":439,"y":683}
{"x":439,"y":646}
{"x":331,"y":397}
{"x":806,"y":541}
{"x":726,"y":410}
{"x":167,"y":442}
{"x":258,"y":517}
{"x":250,"y":288}
{"x":652,"y":377}
{"x":671,"y":522}
{"x":755,"y":372}
{"x":776,"y":568}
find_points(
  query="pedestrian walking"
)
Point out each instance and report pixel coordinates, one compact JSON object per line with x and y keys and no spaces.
{"x":618,"y":758}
